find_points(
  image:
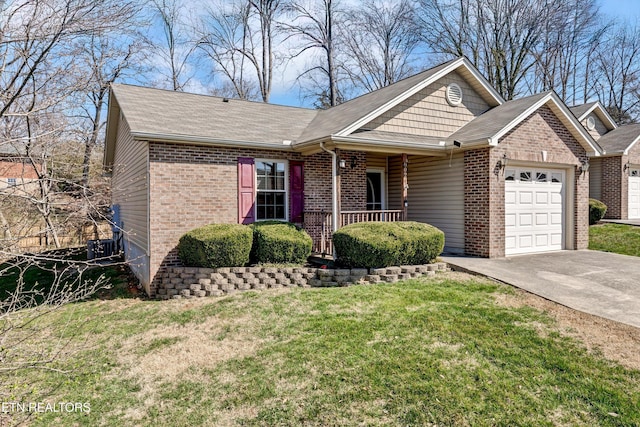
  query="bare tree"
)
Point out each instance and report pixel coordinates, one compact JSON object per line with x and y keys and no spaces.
{"x":104,"y":60}
{"x":449,"y":28}
{"x":225,"y":39}
{"x":380,"y":40}
{"x":177,"y":47}
{"x":618,"y":66}
{"x":496,"y":35}
{"x":563,"y":56}
{"x":316,"y":26}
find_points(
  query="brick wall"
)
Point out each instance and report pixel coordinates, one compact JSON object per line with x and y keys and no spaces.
{"x":191,"y":186}
{"x":477,"y":206}
{"x":353,"y":181}
{"x":615,"y":190}
{"x":615,"y":183}
{"x":484,"y":180}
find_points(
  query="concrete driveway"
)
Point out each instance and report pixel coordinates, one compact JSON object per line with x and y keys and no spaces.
{"x":599,"y":283}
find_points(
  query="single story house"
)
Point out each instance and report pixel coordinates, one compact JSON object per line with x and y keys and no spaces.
{"x":441,"y":147}
{"x":614,"y":177}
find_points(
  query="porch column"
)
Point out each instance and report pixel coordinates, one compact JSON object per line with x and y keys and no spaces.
{"x":405,"y":186}
{"x":338,"y":197}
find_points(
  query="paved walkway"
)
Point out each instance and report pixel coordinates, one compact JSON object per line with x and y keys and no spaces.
{"x":599,"y":283}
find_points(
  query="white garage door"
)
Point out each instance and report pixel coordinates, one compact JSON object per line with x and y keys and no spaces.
{"x":534,"y":206}
{"x":634,"y":194}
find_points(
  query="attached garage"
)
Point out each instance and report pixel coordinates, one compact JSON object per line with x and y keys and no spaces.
{"x":534,"y":210}
{"x":634,"y":194}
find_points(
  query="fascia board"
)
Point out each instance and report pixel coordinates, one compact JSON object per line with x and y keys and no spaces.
{"x":635,"y":141}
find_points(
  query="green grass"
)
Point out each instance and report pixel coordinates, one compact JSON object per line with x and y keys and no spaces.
{"x":436,"y":351}
{"x":617,"y":238}
{"x":57,"y":268}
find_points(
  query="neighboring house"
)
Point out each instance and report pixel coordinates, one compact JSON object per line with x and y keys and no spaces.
{"x":615,"y":176}
{"x":440,"y":147}
{"x":16,"y":173}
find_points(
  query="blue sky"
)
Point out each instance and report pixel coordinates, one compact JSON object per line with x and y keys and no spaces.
{"x":621,"y":8}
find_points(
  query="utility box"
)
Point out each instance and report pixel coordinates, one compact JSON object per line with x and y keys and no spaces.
{"x":102,"y":248}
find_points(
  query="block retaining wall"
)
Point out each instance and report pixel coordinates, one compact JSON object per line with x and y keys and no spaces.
{"x":192,"y":282}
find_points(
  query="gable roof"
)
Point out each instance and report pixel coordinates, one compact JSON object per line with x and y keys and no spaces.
{"x":620,"y":140}
{"x":178,"y":116}
{"x":344,"y":119}
{"x":497,"y":122}
{"x":163,"y":115}
{"x":582,"y":111}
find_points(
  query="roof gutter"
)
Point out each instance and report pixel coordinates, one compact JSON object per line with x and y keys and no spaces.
{"x":186,"y":139}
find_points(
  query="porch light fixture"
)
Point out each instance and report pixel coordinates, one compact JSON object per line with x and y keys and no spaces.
{"x":352,"y":164}
{"x":626,"y":167}
{"x":585,"y":166}
{"x":503,"y":162}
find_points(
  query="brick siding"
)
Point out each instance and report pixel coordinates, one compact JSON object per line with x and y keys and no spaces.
{"x":615,"y":183}
{"x":191,"y":186}
{"x":615,"y":190}
{"x":484,"y":180}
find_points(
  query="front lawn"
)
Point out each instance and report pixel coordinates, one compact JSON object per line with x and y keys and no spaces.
{"x":617,"y":238}
{"x":449,"y":350}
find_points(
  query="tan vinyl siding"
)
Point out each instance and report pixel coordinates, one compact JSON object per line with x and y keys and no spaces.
{"x":436,"y":196}
{"x":595,"y":178}
{"x":129,"y":186}
{"x":427,"y":113}
{"x":394,"y":182}
{"x":376,"y":161}
{"x":600,"y":128}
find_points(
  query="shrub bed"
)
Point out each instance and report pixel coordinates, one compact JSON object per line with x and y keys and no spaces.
{"x":279,"y":242}
{"x":216,"y":245}
{"x":383,"y":244}
{"x":597,"y":209}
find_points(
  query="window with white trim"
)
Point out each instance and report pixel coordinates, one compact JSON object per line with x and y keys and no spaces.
{"x":271,"y":190}
{"x":11,"y":182}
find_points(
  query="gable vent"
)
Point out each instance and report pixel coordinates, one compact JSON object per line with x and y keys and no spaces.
{"x":591,"y":123}
{"x":454,"y":94}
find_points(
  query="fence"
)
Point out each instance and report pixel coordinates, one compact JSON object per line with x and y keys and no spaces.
{"x":42,"y":241}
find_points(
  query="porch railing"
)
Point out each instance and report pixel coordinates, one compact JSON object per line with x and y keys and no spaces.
{"x":319,"y":224}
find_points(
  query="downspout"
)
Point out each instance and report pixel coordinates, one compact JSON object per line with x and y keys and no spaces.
{"x":334,"y":193}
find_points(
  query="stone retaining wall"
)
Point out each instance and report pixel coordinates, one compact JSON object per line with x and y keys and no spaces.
{"x":191,"y":282}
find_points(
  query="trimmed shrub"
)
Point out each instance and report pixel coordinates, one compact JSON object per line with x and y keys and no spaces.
{"x":597,"y":209}
{"x":279,"y":242}
{"x":383,"y":244}
{"x":216,"y":245}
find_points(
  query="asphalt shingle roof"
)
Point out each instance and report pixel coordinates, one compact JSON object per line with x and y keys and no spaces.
{"x":579,"y":110}
{"x":493,"y":121}
{"x":619,"y":139}
{"x":169,"y":113}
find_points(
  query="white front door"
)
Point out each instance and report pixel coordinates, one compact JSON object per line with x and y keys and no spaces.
{"x":634,"y":194}
{"x":534,"y":210}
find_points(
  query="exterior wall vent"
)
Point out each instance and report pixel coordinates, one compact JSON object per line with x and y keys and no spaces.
{"x":591,"y":123}
{"x":454,"y":94}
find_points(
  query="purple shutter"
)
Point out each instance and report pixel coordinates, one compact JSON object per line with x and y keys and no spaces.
{"x":246,"y":190}
{"x":296,"y":191}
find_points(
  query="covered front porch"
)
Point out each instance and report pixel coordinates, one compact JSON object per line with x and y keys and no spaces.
{"x":389,"y":187}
